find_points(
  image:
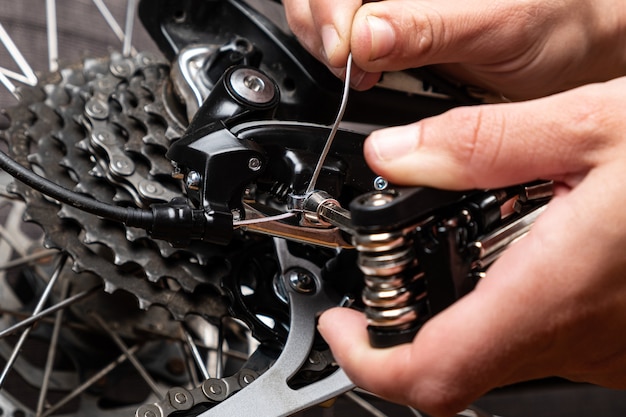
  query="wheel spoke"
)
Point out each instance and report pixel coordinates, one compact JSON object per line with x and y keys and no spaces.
{"x":53,"y":42}
{"x":110,"y":20}
{"x":6,"y":236}
{"x":191,"y":364}
{"x":4,"y":80}
{"x":50,"y":310}
{"x":128,"y":30}
{"x":365,"y":405}
{"x":415,"y":412}
{"x":28,"y":75}
{"x":219,"y":366}
{"x":88,"y":383}
{"x":28,"y":259}
{"x":131,"y":357}
{"x":206,"y":349}
{"x":195,"y":353}
{"x":52,"y":351}
{"x":40,"y":304}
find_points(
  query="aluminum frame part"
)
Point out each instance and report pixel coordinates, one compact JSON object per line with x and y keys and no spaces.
{"x":270,"y":395}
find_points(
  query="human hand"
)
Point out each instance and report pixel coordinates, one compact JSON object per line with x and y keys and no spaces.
{"x":555,"y":302}
{"x":518,"y":49}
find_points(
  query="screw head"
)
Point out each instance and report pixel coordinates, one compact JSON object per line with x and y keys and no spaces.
{"x":254,"y":164}
{"x":380,"y":183}
{"x":301,"y":281}
{"x":193,"y":180}
{"x":252,"y":86}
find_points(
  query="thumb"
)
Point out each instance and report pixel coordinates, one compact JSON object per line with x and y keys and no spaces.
{"x":558,"y":137}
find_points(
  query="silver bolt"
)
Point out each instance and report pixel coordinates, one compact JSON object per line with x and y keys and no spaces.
{"x":301,"y":281}
{"x":216,"y":389}
{"x":253,"y":86}
{"x":193,"y":180}
{"x":380,"y":183}
{"x":254,"y":83}
{"x":149,"y":413}
{"x":254,"y":164}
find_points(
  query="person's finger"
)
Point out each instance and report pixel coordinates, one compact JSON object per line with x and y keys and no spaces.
{"x":540,"y":311}
{"x":559,"y":137}
{"x":346,"y":332}
{"x":399,"y":34}
{"x":333,"y":22}
{"x":323,"y":28}
{"x":300,"y":21}
{"x":540,"y":308}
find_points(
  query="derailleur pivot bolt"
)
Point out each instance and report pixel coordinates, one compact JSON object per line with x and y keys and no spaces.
{"x":252,"y":86}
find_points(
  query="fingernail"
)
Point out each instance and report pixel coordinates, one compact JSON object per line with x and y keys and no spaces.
{"x":393,"y":143}
{"x":330,"y":40}
{"x":383,"y":37}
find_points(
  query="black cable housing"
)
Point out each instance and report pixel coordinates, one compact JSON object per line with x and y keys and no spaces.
{"x":130,"y":216}
{"x":176,"y":222}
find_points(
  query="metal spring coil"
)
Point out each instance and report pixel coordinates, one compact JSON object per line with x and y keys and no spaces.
{"x":395,"y":289}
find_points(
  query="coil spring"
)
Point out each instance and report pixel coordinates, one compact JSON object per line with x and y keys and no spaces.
{"x":395,"y":293}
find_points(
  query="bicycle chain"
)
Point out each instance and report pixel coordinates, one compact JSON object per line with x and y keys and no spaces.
{"x":211,"y":392}
{"x":216,"y":390}
{"x":56,"y":128}
{"x":102,"y":128}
